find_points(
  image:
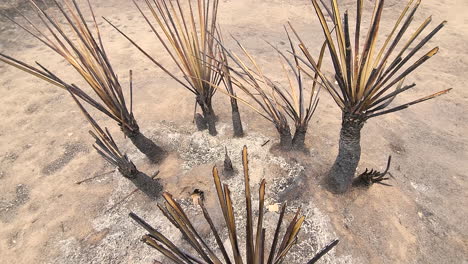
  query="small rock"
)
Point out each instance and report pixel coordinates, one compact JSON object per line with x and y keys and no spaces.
{"x":273,"y":207}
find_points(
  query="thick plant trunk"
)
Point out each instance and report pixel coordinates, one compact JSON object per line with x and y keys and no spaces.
{"x":211,"y":122}
{"x":148,"y":147}
{"x":236,"y":119}
{"x":285,"y":138}
{"x":132,"y":130}
{"x":128,"y":169}
{"x":298,"y":141}
{"x":208,"y":115}
{"x":343,"y":170}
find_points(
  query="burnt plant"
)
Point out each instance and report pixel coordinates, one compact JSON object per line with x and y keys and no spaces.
{"x":228,"y":169}
{"x":366,"y":76}
{"x":83,"y":49}
{"x":369,"y":177}
{"x":256,"y":245}
{"x":186,"y":33}
{"x":274,"y":102}
{"x":106,"y":146}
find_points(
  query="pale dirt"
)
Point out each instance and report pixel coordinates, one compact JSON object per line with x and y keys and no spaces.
{"x":45,"y":148}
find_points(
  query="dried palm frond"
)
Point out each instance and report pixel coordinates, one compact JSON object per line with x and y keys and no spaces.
{"x":369,"y":177}
{"x":275,"y":102}
{"x":106,"y":146}
{"x":187,"y":36}
{"x":365,"y":77}
{"x":255,"y":244}
{"x":83,"y":50}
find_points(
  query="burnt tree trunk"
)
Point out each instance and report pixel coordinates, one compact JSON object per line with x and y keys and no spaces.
{"x":208,"y":115}
{"x":285,"y":137}
{"x":127,"y":168}
{"x":342,"y":172}
{"x":298,"y":141}
{"x":236,"y":119}
{"x":210,"y":118}
{"x":130,"y":130}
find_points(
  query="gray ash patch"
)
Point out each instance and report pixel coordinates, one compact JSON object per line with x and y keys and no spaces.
{"x":115,"y":238}
{"x":70,"y":152}
{"x":198,"y":147}
{"x":121,"y":243}
{"x":201,"y":150}
{"x":8,"y":207}
{"x":316,"y":233}
{"x":32,"y":108}
{"x":9,"y":157}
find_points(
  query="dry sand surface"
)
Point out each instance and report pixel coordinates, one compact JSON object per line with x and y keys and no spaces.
{"x":45,"y":149}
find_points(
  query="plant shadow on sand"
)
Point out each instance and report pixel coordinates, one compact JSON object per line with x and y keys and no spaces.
{"x":146,"y":146}
{"x":150,"y":186}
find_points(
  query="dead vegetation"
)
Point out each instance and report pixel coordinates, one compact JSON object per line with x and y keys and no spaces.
{"x":187,"y":34}
{"x":271,"y":100}
{"x":366,"y":75}
{"x":84,"y":50}
{"x":256,"y":245}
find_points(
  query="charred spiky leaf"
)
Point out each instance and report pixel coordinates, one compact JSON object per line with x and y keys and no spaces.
{"x":365,"y":77}
{"x":323,"y":251}
{"x":255,"y":246}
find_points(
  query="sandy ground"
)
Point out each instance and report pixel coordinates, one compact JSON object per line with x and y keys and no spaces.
{"x":45,"y":149}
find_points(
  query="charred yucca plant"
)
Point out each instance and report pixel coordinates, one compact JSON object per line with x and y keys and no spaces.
{"x":186,"y":32}
{"x":369,"y":177}
{"x":84,"y":51}
{"x":106,"y":147}
{"x":255,"y":245}
{"x":276,"y":103}
{"x":109,"y":149}
{"x":366,"y":77}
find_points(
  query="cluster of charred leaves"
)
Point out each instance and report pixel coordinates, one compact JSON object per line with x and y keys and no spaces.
{"x":255,"y":244}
